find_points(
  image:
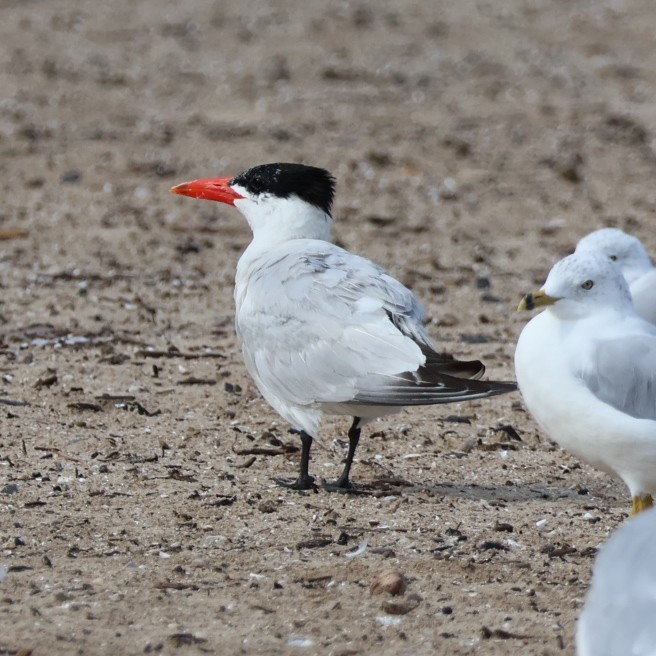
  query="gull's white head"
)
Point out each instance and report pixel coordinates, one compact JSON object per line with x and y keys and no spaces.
{"x":581,"y":285}
{"x":620,"y":247}
{"x":280,"y":201}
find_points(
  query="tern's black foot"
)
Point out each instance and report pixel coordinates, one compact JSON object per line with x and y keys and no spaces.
{"x":343,"y":487}
{"x":301,"y":483}
{"x":304,"y":480}
{"x":343,"y":482}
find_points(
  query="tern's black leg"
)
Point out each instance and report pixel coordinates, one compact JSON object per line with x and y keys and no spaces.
{"x":354,"y":437}
{"x":304,"y":480}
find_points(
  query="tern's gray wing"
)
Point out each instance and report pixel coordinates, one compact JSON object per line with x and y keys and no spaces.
{"x":619,"y":611}
{"x":623,"y":374}
{"x":319,"y":325}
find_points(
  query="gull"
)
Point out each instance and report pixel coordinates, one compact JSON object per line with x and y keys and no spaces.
{"x":633,"y":259}
{"x":586,"y":368}
{"x":323,"y":330}
{"x":620,"y":607}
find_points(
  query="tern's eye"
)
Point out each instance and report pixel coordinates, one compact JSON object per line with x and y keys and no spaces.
{"x":588,"y":284}
{"x":256,"y":185}
{"x":613,"y":257}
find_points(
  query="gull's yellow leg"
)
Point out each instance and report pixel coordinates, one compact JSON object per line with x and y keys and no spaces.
{"x":641,"y":503}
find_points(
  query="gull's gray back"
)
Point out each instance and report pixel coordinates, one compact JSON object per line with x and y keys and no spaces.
{"x":623,"y":374}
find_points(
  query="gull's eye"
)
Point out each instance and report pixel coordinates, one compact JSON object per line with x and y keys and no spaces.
{"x":613,"y":257}
{"x":588,"y":284}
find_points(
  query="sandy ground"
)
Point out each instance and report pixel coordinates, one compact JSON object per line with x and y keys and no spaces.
{"x":474,"y":142}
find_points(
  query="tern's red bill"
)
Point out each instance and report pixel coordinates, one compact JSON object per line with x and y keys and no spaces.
{"x":209,"y":189}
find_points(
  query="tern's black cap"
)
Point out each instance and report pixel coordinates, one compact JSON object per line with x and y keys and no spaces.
{"x":311,"y":184}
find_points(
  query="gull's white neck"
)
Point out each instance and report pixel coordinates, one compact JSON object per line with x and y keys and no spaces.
{"x":566,"y":310}
{"x":636,"y":270}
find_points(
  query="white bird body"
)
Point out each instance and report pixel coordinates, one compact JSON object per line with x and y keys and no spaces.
{"x":590,"y":429}
{"x":586,"y":368}
{"x":305,"y":367}
{"x":620,"y":606}
{"x":323,"y":330}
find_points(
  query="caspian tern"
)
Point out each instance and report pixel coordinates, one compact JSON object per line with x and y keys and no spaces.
{"x":323,"y":330}
{"x":629,"y":252}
